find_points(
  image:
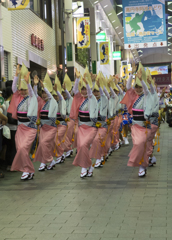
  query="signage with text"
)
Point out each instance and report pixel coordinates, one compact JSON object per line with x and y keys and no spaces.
{"x":116,"y":55}
{"x":37,"y":42}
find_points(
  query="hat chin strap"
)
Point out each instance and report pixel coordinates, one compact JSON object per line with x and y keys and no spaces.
{"x":85,"y":96}
{"x":139,"y":93}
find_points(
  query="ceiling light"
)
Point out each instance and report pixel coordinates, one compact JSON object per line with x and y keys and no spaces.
{"x":109,"y":14}
{"x":105,"y":6}
{"x":95,"y":2}
{"x":169,"y":53}
{"x":117,"y":27}
{"x":122,"y":37}
{"x":119,"y":32}
{"x":113,"y":21}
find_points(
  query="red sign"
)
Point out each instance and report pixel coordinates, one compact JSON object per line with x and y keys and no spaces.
{"x":37,"y":42}
{"x":163,"y":79}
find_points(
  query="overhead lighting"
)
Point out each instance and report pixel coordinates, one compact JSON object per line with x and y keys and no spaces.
{"x":119,"y":32}
{"x":96,"y":2}
{"x":122,"y":37}
{"x":102,"y":20}
{"x":109,"y":14}
{"x":105,"y":6}
{"x":113,"y":21}
{"x":169,"y":53}
{"x":169,"y":49}
{"x":117,"y":27}
{"x":140,"y":51}
{"x":97,"y":11}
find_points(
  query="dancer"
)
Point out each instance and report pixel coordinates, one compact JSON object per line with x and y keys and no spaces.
{"x":62,"y":143}
{"x":23,"y":107}
{"x":84,"y":105}
{"x":153,"y":119}
{"x":139,"y":105}
{"x":48,"y":127}
{"x":97,"y":147}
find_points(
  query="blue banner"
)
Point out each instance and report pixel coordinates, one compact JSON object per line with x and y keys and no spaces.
{"x":144,"y":24}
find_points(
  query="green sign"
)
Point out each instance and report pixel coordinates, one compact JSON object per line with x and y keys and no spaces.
{"x":101,"y":37}
{"x":69,"y":52}
{"x":116,"y":55}
{"x":94,"y":71}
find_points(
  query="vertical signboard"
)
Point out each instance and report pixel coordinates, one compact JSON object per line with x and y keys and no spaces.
{"x":144,"y":24}
{"x":83,"y":32}
{"x":104,"y":53}
{"x":18,"y":5}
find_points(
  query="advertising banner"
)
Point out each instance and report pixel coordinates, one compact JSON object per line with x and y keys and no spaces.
{"x":144,"y":24}
{"x":18,"y":4}
{"x":104,"y":53}
{"x":158,"y":70}
{"x":83,"y":32}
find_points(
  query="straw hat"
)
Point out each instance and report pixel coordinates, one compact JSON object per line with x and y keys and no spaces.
{"x":57,"y":82}
{"x":68,"y":83}
{"x":137,"y":82}
{"x":22,"y":83}
{"x":47,"y":83}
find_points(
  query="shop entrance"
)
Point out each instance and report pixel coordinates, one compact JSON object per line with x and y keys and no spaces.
{"x":36,"y":68}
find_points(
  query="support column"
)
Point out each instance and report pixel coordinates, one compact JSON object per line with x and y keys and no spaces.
{"x":1,"y":50}
{"x":70,"y":48}
{"x":93,"y":40}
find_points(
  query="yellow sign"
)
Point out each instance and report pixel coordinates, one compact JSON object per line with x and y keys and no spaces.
{"x":124,"y":71}
{"x":104,"y":53}
{"x":83,"y":32}
{"x":18,"y":4}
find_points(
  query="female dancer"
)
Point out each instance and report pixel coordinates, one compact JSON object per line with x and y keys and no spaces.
{"x":23,"y":107}
{"x":85,"y":105}
{"x":48,"y":111}
{"x":96,"y":150}
{"x":139,"y":105}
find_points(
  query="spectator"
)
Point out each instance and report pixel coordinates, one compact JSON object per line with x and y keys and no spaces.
{"x":12,"y":124}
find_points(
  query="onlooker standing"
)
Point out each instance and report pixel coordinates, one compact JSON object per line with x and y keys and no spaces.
{"x":12,"y":124}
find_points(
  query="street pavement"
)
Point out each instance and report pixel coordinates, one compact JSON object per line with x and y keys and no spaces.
{"x":115,"y":204}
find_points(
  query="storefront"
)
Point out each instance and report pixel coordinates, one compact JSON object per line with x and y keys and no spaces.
{"x":30,"y":39}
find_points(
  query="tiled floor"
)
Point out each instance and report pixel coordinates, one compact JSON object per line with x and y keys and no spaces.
{"x":113,"y":204}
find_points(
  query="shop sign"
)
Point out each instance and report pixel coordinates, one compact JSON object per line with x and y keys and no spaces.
{"x":101,"y":37}
{"x":163,"y":79}
{"x":116,"y":55}
{"x":37,"y":42}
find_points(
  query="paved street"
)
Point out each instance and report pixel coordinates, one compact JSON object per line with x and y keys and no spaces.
{"x":113,"y":204}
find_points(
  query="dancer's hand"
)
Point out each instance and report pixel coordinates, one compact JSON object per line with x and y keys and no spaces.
{"x":26,"y":78}
{"x":78,"y":74}
{"x":134,"y":67}
{"x":139,"y":74}
{"x":98,"y":82}
{"x":148,"y":80}
{"x":36,"y":80}
{"x":55,"y":87}
{"x":18,"y":70}
{"x":64,"y":86}
{"x":42,"y":85}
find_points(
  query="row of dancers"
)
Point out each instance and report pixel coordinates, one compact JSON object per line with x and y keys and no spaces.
{"x":93,"y":117}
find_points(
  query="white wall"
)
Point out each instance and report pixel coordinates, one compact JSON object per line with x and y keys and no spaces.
{"x":7,"y":36}
{"x":23,"y":23}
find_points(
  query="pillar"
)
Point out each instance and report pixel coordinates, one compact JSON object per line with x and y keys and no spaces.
{"x":93,"y":40}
